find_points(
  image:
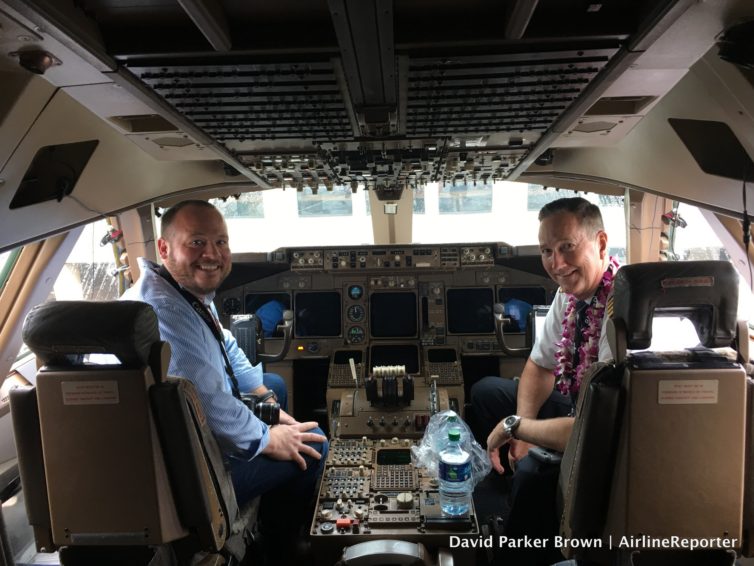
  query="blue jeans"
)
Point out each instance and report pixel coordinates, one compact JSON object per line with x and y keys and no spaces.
{"x":287,"y":486}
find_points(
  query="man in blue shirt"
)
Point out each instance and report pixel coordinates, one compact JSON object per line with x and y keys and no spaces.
{"x":285,"y":458}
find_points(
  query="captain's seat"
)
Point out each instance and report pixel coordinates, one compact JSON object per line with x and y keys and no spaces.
{"x":656,"y":461}
{"x":117,"y":463}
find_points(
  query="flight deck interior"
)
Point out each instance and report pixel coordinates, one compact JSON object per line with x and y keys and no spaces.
{"x":380,"y":165}
{"x":382,"y":339}
{"x":429,"y":309}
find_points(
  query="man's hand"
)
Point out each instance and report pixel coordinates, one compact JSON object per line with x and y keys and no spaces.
{"x":287,"y":442}
{"x":517,"y":451}
{"x":287,"y":419}
{"x":497,"y":438}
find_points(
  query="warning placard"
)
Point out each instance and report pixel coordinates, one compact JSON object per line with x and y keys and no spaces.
{"x":90,"y":392}
{"x":687,"y":392}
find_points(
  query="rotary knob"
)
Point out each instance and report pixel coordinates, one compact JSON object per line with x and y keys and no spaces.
{"x":326,"y":528}
{"x":405,"y":500}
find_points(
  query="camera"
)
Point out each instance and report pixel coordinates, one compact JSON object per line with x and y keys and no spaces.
{"x":268,"y":413}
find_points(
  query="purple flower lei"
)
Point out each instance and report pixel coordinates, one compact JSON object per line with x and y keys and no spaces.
{"x":568,"y":380}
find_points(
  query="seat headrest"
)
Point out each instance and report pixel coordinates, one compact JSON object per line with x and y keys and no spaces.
{"x":705,"y":292}
{"x":59,"y":331}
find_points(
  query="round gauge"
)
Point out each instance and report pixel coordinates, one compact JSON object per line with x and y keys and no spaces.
{"x":355,"y":335}
{"x":355,"y":292}
{"x":356,"y":313}
{"x":231,"y":305}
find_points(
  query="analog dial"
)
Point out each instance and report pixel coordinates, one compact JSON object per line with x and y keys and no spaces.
{"x":356,"y":313}
{"x":356,"y":335}
{"x":355,"y":292}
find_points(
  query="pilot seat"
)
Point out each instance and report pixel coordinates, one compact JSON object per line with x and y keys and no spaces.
{"x":117,"y":463}
{"x":654,"y":470}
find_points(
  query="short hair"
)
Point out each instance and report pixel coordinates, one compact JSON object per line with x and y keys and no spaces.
{"x":169,"y":217}
{"x":588,"y":214}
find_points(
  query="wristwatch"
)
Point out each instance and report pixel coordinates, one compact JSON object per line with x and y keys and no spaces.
{"x":510,"y":424}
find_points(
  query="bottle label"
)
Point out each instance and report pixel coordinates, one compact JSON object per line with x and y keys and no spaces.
{"x":455,"y":472}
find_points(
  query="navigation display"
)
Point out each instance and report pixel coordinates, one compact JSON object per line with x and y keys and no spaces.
{"x":518,"y":302}
{"x":470,"y":311}
{"x":317,"y":314}
{"x":269,"y":308}
{"x":393,"y":314}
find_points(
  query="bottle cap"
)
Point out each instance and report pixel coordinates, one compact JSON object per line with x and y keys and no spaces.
{"x":454,"y":434}
{"x":452,"y":418}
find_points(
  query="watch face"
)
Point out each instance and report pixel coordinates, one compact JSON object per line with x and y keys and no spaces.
{"x":510,"y":421}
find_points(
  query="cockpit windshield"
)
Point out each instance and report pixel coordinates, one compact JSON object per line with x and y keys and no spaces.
{"x":339,"y":215}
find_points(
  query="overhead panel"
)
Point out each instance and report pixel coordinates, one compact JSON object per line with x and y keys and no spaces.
{"x":389,"y":94}
{"x":518,"y":93}
{"x":289,"y":100}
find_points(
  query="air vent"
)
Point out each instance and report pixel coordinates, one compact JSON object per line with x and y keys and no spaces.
{"x":143,"y":123}
{"x":173,"y":141}
{"x":619,"y":105}
{"x":593,"y":127}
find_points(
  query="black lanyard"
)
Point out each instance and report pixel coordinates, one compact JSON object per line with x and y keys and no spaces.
{"x":203,"y":311}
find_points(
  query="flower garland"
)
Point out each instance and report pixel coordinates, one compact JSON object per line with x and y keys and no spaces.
{"x":568,"y":380}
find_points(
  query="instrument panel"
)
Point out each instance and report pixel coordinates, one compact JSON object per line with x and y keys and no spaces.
{"x":430,"y":296}
{"x":394,"y":329}
{"x":371,"y":491}
{"x":410,"y":257}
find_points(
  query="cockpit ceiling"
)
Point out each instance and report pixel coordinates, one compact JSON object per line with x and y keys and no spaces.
{"x":379,"y":92}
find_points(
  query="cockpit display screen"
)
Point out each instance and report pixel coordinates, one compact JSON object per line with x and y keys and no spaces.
{"x":394,"y":457}
{"x":393,"y":315}
{"x":317,"y":314}
{"x":518,"y":303}
{"x":269,"y":308}
{"x":470,"y":311}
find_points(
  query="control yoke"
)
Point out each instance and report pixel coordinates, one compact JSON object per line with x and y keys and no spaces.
{"x":287,"y":329}
{"x":247,"y":329}
{"x":500,"y":320}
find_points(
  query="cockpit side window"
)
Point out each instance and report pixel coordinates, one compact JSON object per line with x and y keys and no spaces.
{"x":7,"y":260}
{"x":91,"y":271}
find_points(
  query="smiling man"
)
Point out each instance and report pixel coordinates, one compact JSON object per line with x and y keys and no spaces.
{"x":281,"y":461}
{"x":536,"y":410}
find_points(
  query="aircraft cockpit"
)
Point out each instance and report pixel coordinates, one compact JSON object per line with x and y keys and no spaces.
{"x":384,"y":337}
{"x":429,"y":309}
{"x":380,"y":167}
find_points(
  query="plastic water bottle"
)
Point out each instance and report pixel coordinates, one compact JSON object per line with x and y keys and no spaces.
{"x":455,"y":476}
{"x":449,"y":423}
